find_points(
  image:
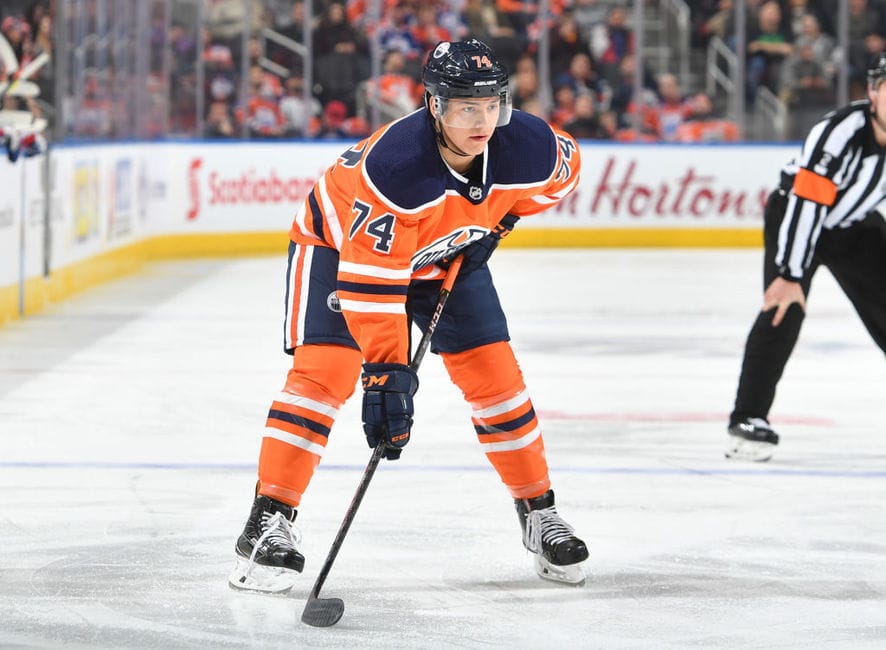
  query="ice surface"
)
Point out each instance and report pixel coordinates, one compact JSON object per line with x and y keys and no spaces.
{"x":131,"y":416}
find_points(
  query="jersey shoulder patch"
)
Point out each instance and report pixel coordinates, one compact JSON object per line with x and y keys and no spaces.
{"x":404,"y":166}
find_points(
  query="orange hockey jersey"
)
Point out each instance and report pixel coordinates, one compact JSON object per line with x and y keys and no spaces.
{"x":393,"y":208}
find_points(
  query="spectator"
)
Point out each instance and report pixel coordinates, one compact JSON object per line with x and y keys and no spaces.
{"x":768,"y":45}
{"x":336,"y":125}
{"x":587,"y":14}
{"x":395,"y":32}
{"x":398,"y":93}
{"x":296,"y":111}
{"x":483,"y":20}
{"x":564,"y":106}
{"x":294,"y":30}
{"x":525,"y":82}
{"x":864,"y":19}
{"x":860,"y":54}
{"x":582,"y":77}
{"x":16,"y":30}
{"x":263,"y":116}
{"x":711,"y":18}
{"x":587,"y":124}
{"x":566,"y":42}
{"x":518,"y":15}
{"x":334,"y":35}
{"x":427,"y":30}
{"x":611,"y":42}
{"x":220,"y":122}
{"x":225,"y":19}
{"x":640,"y":119}
{"x":806,"y":80}
{"x":671,"y":110}
{"x":623,"y":90}
{"x":340,"y":58}
{"x":702,"y":125}
{"x":45,"y":77}
{"x":794,"y":13}
{"x":823,"y":45}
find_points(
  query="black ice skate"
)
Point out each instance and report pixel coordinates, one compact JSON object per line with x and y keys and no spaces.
{"x":558,"y":553}
{"x":267,"y":557}
{"x":751,"y":439}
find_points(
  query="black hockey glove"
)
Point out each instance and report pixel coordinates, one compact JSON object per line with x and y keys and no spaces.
{"x":387,"y":405}
{"x":477,"y":254}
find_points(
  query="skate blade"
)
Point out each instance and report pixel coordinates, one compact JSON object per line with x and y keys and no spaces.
{"x":749,"y":450}
{"x":570,"y":574}
{"x":264,"y":579}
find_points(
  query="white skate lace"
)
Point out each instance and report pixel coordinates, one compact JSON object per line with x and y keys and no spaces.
{"x":277,"y":529}
{"x":545,"y":525}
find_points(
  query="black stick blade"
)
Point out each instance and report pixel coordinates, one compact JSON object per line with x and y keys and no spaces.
{"x":323,"y":612}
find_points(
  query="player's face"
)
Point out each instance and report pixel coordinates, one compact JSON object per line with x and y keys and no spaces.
{"x":469,"y":123}
{"x":877,"y":95}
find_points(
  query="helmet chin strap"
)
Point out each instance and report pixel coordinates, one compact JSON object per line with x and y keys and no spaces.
{"x":441,"y":138}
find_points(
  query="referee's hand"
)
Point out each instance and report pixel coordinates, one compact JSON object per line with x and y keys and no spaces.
{"x":781,"y":294}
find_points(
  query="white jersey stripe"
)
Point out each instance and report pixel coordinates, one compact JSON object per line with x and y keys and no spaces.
{"x":295,"y":441}
{"x":501,"y":407}
{"x":332,"y":221}
{"x":373,"y":307}
{"x":512,"y":445}
{"x":303,"y":297}
{"x":308,"y":404}
{"x":375,"y":272}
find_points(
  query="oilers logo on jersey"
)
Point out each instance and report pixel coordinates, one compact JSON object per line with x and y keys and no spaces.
{"x":333,"y":303}
{"x":447,"y":247}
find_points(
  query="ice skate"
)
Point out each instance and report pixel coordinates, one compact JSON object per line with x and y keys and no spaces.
{"x":558,"y":553}
{"x":751,"y":439}
{"x":267,"y":557}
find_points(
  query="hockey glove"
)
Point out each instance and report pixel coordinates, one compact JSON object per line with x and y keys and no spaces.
{"x":387,"y":405}
{"x":477,"y":254}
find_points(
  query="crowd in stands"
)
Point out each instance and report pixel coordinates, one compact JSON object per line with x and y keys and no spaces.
{"x":591,"y":93}
{"x":790,"y":49}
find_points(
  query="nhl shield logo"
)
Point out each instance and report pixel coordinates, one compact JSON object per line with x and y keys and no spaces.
{"x":476,"y":193}
{"x":333,"y":302}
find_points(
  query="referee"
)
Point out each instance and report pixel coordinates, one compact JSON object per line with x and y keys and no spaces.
{"x":821,"y":214}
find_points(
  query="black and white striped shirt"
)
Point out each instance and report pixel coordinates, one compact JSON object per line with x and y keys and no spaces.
{"x":836,"y":181}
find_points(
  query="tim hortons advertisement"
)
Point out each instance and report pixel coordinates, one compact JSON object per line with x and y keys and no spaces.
{"x":670,"y":186}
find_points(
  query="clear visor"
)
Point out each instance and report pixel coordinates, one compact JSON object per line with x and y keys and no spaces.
{"x":474,"y":113}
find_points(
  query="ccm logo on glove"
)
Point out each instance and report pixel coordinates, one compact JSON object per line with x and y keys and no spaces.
{"x":387,"y":405}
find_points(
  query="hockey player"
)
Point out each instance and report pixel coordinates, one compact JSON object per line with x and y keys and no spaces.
{"x":821,"y":214}
{"x":368,"y":247}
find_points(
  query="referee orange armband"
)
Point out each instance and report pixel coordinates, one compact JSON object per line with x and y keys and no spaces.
{"x":809,"y":185}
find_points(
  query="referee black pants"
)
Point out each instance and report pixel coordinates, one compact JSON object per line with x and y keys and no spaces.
{"x":856,"y":256}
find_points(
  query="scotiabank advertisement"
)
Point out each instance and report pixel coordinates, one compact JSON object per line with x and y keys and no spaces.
{"x":245,"y":186}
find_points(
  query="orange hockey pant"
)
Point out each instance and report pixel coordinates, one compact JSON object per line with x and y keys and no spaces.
{"x":323,"y":377}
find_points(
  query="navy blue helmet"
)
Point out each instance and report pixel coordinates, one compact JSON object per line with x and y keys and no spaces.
{"x":466,"y":69}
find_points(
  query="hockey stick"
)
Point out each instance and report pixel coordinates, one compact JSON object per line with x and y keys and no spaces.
{"x":324,"y":612}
